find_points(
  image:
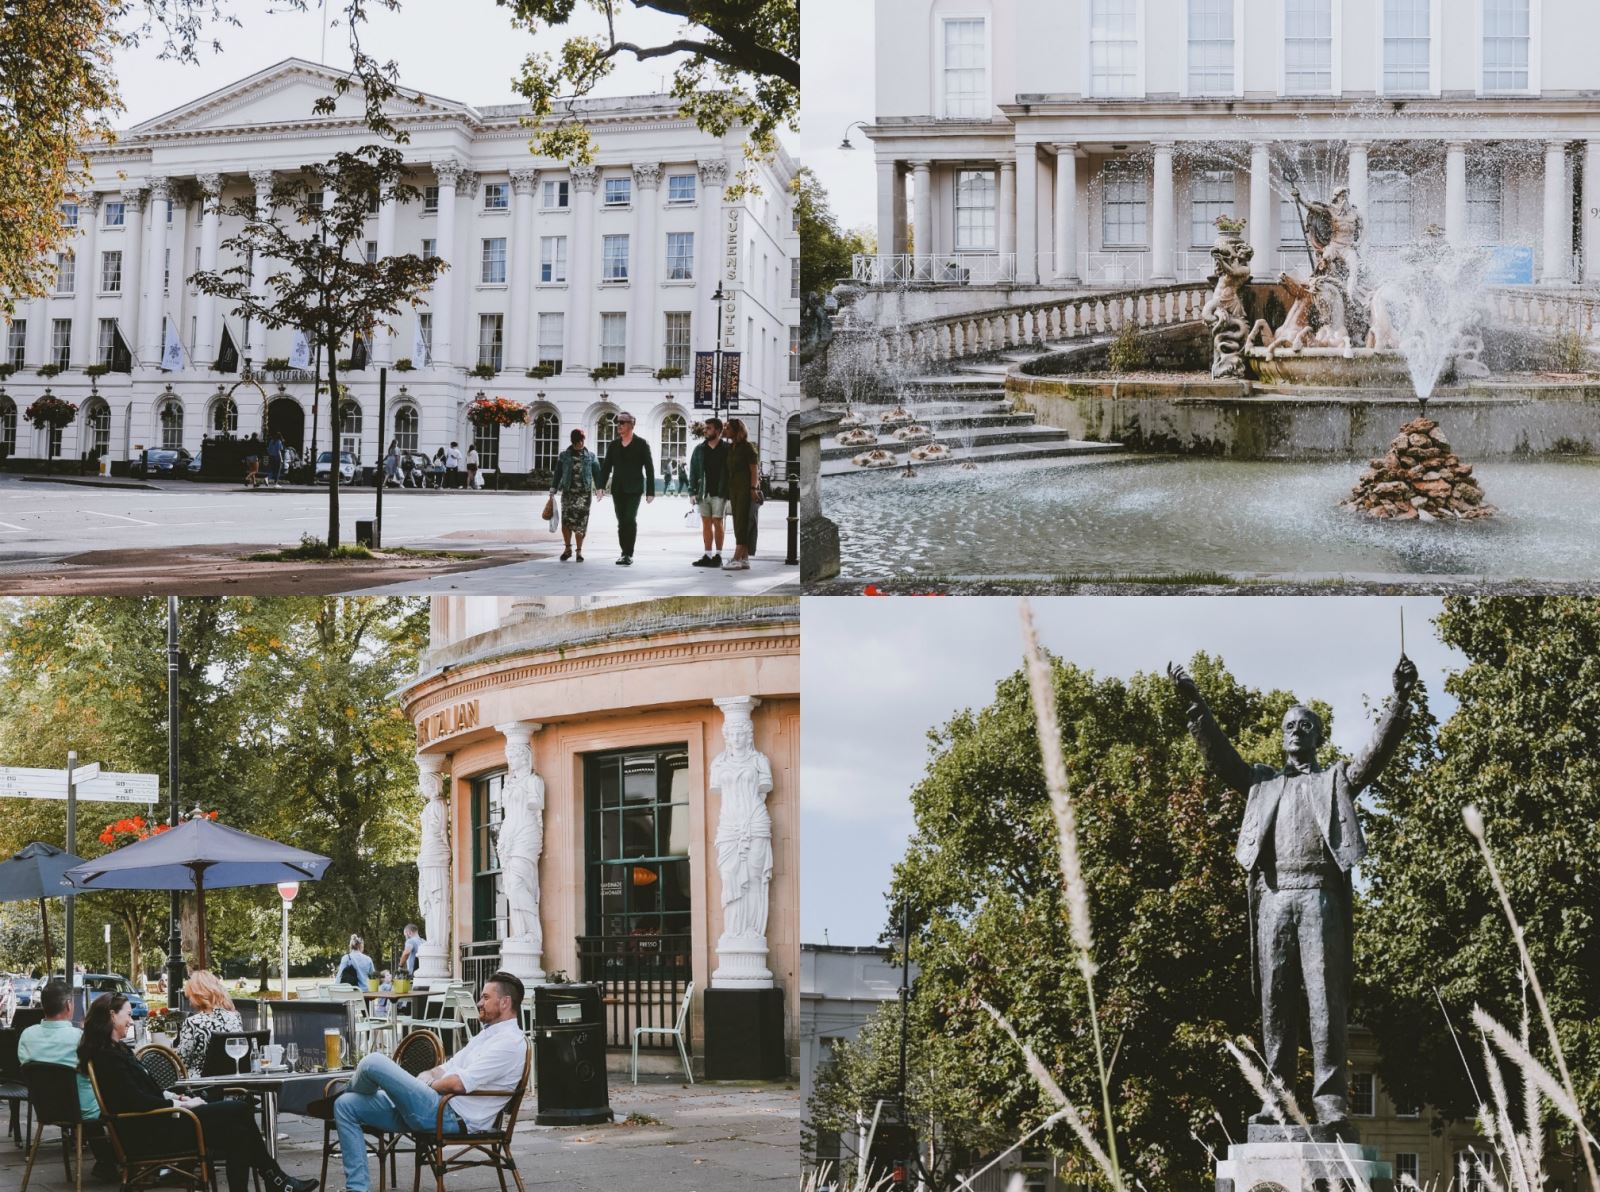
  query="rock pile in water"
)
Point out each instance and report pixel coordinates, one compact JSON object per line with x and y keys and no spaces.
{"x":1420,"y":479}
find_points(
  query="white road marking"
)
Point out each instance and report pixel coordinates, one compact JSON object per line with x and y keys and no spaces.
{"x":136,"y":520}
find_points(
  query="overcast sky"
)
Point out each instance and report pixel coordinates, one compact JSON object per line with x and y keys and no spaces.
{"x":878,"y":673}
{"x":836,"y":44}
{"x":459,"y":49}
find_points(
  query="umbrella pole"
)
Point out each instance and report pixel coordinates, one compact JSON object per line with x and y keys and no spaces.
{"x":44,"y":921}
{"x":200,"y":916}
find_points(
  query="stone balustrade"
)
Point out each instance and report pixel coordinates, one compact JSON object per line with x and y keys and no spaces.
{"x":1547,"y":312}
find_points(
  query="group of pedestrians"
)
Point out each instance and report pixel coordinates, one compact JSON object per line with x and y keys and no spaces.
{"x":450,"y":467}
{"x":723,"y":480}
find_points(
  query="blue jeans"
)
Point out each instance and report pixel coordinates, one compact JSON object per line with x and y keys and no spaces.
{"x":385,"y":1095}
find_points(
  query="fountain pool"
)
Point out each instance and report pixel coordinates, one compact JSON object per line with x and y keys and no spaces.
{"x":1167,"y":515}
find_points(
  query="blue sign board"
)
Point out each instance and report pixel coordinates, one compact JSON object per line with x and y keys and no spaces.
{"x":1509,"y":265}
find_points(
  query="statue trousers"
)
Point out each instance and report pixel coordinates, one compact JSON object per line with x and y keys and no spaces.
{"x":1302,"y":942}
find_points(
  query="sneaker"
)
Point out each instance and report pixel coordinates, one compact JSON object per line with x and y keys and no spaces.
{"x":580,"y":556}
{"x":703,"y":561}
{"x":625,"y":561}
{"x":716,"y":559}
{"x":566,"y":554}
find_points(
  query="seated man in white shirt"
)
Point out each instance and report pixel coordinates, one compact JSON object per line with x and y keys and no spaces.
{"x":385,"y":1095}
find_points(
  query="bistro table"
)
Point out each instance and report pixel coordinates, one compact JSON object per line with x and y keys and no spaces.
{"x":281,"y":1091}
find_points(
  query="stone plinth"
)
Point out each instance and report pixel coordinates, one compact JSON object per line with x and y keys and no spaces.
{"x":1300,"y":1166}
{"x":520,"y":958}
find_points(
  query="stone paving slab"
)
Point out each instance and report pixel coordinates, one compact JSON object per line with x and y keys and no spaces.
{"x":701,"y":1138}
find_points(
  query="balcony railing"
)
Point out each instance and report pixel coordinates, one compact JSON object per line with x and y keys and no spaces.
{"x":642,"y":978}
{"x":940,"y":269}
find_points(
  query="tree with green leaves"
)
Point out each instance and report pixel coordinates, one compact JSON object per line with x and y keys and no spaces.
{"x":1156,"y":834}
{"x":324,"y":285}
{"x":1523,"y":746}
{"x":825,"y":248}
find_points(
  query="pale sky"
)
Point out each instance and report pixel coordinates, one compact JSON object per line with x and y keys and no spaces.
{"x":836,"y":52}
{"x":877,"y":674}
{"x":459,"y":49}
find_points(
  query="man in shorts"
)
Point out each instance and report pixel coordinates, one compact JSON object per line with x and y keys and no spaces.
{"x":708,"y":482}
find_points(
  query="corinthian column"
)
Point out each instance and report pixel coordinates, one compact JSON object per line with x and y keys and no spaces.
{"x":205,"y":346}
{"x":582,"y":350}
{"x":433,"y":870}
{"x":642,"y":343}
{"x":743,"y":842}
{"x":708,"y":238}
{"x":154,"y":273}
{"x":522,"y":258}
{"x":263,"y":180}
{"x":520,"y":845}
{"x":132,"y":268}
{"x":85,"y":341}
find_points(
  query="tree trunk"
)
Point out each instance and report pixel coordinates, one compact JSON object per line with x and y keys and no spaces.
{"x":334,"y":416}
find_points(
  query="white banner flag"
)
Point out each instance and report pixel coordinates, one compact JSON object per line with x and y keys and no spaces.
{"x":300,"y":354}
{"x":419,"y":348}
{"x":171,"y":350}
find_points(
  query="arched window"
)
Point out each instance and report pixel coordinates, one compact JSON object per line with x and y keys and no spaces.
{"x":171,"y":424}
{"x":405,"y":428}
{"x":604,"y":431}
{"x":546,"y":440}
{"x":97,"y":421}
{"x":487,"y":440}
{"x":8,"y":427}
{"x":674,"y":438}
{"x":350,"y":428}
{"x":224,"y":416}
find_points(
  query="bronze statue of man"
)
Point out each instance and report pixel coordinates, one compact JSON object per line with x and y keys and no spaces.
{"x":1298,"y":843}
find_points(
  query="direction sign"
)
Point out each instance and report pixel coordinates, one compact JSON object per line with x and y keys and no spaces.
{"x":86,"y":773}
{"x":23,"y":782}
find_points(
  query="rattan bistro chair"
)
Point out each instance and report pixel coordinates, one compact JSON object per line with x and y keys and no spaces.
{"x":166,"y":1067}
{"x":416,"y":1053}
{"x":188,"y":1164}
{"x":53,"y":1093}
{"x":444,"y":1153}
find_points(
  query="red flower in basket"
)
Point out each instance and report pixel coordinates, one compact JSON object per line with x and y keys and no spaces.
{"x":497,"y":411}
{"x":51,"y":411}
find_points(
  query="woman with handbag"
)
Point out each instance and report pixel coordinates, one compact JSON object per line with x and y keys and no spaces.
{"x":744,"y":493}
{"x":576,"y":479}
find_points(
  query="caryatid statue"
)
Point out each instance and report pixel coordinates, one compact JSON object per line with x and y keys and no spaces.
{"x":744,"y":848}
{"x":1299,"y":840}
{"x":519,"y":842}
{"x":433,"y":868}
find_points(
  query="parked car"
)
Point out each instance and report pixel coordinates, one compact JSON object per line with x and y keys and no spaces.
{"x":26,"y":989}
{"x":194,"y":464}
{"x":159,"y":461}
{"x":347,"y":467}
{"x":96,"y":984}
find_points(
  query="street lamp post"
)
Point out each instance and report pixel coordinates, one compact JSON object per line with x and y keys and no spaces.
{"x":287,"y":892}
{"x":108,"y":951}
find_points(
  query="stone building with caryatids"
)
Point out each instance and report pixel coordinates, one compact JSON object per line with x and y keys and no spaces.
{"x":610,"y":793}
{"x":556,"y":270}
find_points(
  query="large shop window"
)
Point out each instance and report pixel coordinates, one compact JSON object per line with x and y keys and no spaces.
{"x":1308,"y":47}
{"x":1114,"y":47}
{"x":636,"y":848}
{"x":974,"y":212}
{"x":1405,"y":45}
{"x":488,"y":894}
{"x":966,"y":66}
{"x":1210,"y":47}
{"x":1507,"y":31}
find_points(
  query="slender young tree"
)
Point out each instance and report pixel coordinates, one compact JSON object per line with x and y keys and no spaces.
{"x":323,"y":284}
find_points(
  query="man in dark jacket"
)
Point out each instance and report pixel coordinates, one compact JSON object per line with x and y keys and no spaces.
{"x":708,"y":483}
{"x":629,"y":473}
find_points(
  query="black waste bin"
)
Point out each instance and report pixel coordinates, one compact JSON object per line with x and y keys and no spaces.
{"x":364,"y":533}
{"x":570,"y":1045}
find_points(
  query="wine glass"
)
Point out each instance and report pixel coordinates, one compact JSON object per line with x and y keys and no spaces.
{"x":291,"y":1056}
{"x":237,"y":1049}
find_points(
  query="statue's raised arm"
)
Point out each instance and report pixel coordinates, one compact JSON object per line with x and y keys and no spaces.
{"x":1369,"y":763}
{"x":1222,"y":759}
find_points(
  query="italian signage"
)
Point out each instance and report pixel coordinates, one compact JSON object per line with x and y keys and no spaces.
{"x":457,"y":718}
{"x":22,"y":782}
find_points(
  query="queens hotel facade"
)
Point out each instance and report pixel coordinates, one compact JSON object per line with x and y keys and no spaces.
{"x":555,"y":270}
{"x":1093,"y":142}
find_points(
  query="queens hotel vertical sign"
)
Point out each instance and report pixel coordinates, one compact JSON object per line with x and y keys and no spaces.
{"x":730,"y":279}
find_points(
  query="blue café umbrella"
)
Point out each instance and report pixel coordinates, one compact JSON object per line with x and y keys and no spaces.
{"x":199,"y":854}
{"x":35,"y":873}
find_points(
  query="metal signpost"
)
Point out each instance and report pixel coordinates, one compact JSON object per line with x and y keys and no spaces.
{"x":88,"y":783}
{"x":287,"y":892}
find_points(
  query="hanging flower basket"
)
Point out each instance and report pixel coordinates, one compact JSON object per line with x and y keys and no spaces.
{"x":51,"y":411}
{"x":497,"y":411}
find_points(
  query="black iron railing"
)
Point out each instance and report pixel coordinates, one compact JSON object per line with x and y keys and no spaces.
{"x":479,"y":960}
{"x":642,"y":979}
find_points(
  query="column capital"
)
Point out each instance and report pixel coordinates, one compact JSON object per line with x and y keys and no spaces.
{"x":1357,"y":144}
{"x":737,"y":707}
{"x":469,"y":183}
{"x":432,"y":764}
{"x":585,"y":178}
{"x":1163,"y":146}
{"x":92,"y":201}
{"x":448,"y":170}
{"x":1008,"y":166}
{"x":647,"y":175}
{"x":714,"y":172}
{"x":263,"y":180}
{"x":210,"y":186}
{"x":1066,"y":148}
{"x":160,"y":189}
{"x":1555,"y":146}
{"x":133,"y":198}
{"x":922,"y":164}
{"x":518,"y":731}
{"x":523,"y":181}
{"x":1456,"y":146}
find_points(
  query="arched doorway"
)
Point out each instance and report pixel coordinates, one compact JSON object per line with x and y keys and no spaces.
{"x":96,"y":428}
{"x":286,"y":418}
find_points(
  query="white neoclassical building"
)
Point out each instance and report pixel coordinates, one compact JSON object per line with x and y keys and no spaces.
{"x":1062,"y":143}
{"x":556,"y":270}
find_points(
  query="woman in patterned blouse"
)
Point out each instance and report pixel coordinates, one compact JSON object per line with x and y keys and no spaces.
{"x":213,"y":1013}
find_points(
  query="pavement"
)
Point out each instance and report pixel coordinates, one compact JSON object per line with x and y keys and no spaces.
{"x":679,"y":1138}
{"x":122,"y":536}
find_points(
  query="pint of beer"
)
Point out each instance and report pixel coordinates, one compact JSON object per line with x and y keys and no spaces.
{"x":332,"y":1049}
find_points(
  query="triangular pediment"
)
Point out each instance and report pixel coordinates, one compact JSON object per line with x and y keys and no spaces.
{"x":281,"y":95}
